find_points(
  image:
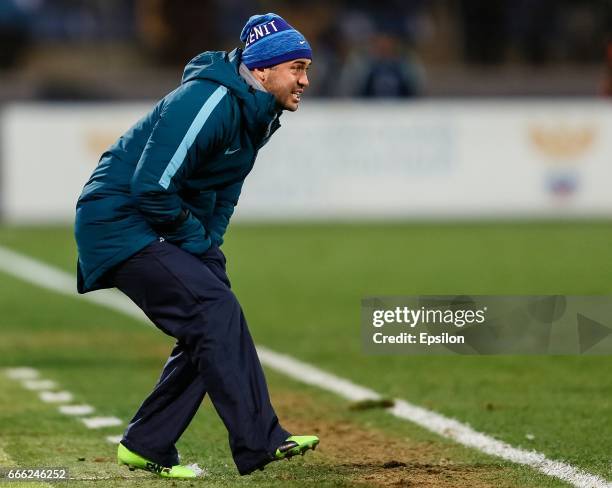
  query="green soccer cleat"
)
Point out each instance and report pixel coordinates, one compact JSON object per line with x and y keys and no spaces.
{"x":134,"y":461}
{"x":296,"y":444}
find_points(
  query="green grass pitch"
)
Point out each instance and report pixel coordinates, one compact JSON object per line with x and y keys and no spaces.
{"x":301,"y":286}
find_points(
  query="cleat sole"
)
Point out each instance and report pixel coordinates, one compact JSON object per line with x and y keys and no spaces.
{"x":303,"y":445}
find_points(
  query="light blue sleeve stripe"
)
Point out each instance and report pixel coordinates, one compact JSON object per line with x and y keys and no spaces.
{"x":195,"y":128}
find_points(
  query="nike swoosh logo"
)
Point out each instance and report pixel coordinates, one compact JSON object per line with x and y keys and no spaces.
{"x":302,"y":42}
{"x":231,"y":151}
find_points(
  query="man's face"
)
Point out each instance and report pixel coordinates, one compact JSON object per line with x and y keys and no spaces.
{"x":286,"y":81}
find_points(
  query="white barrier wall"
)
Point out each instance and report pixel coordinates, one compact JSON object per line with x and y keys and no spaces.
{"x":349,"y":160}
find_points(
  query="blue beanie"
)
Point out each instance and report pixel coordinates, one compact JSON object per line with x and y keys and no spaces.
{"x":270,"y":40}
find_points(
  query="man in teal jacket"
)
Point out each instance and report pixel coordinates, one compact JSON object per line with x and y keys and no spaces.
{"x":150,"y":221}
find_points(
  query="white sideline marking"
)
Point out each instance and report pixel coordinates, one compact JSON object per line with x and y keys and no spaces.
{"x":22,"y":373}
{"x":55,"y":396}
{"x":199,"y":472}
{"x":99,"y":422}
{"x":114,"y":439}
{"x":76,"y":409}
{"x":45,"y":276}
{"x":314,"y":376}
{"x":36,"y":385}
{"x":40,"y":274}
{"x":7,"y":462}
{"x":5,"y":459}
{"x":60,"y":397}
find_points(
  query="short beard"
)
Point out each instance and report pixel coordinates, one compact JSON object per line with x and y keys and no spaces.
{"x":279,"y":104}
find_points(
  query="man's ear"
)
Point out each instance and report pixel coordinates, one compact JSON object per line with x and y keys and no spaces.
{"x":261,"y":74}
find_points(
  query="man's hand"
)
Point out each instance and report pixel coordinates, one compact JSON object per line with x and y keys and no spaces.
{"x":187,"y":233}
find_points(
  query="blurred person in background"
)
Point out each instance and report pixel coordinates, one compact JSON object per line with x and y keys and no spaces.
{"x":606,"y":88}
{"x":150,"y":222}
{"x":380,"y":62}
{"x":530,"y":28}
{"x":14,"y":33}
{"x":389,"y":74}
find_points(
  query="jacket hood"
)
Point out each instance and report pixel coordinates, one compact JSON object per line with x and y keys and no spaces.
{"x":221,"y":67}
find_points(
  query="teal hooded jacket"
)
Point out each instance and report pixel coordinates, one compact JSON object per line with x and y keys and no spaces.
{"x":177,"y":173}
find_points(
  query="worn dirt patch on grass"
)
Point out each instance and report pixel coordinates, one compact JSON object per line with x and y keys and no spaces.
{"x":372,"y":457}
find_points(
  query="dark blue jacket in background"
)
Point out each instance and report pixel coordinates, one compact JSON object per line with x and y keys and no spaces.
{"x":178,"y":172}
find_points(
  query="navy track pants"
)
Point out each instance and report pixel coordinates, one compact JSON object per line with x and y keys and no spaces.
{"x":189,"y":298}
